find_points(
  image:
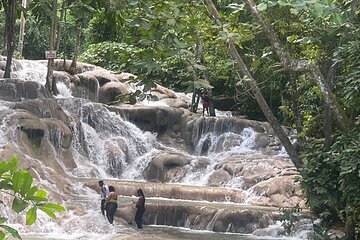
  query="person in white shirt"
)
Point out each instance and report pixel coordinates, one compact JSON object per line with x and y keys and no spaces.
{"x":104,"y":195}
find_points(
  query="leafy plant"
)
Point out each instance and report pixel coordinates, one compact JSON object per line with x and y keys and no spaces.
{"x":18,"y":184}
{"x":331,"y":178}
{"x":288,"y":219}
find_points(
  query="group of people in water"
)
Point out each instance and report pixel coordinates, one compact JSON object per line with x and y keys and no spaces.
{"x":109,"y":203}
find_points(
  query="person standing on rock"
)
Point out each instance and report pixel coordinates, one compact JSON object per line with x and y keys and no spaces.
{"x":140,"y":208}
{"x":205,"y":102}
{"x":104,"y":195}
{"x":111,"y":204}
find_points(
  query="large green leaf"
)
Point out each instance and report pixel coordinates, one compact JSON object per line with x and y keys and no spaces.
{"x":2,"y":167}
{"x":49,"y":212}
{"x":27,"y":182}
{"x":53,"y":206}
{"x":2,"y":220}
{"x":19,"y":205}
{"x":12,"y":165}
{"x":5,"y":184}
{"x":31,"y":216}
{"x":31,"y":192}
{"x":41,"y":193}
{"x":17,"y":180}
{"x":11,"y":230}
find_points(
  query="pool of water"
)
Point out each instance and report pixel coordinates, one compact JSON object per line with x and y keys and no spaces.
{"x":152,"y":233}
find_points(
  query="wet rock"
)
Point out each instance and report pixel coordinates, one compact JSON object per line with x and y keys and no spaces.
{"x":208,"y":218}
{"x":154,"y":119}
{"x":103,"y":76}
{"x":124,"y":76}
{"x":85,"y":86}
{"x":175,"y":191}
{"x":16,"y":90}
{"x":176,"y":103}
{"x":261,"y":141}
{"x":117,"y":155}
{"x":162,"y":163}
{"x":110,"y":90}
{"x":219,"y":178}
{"x":162,"y":92}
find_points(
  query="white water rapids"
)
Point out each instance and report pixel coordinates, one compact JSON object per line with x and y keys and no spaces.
{"x":105,"y":146}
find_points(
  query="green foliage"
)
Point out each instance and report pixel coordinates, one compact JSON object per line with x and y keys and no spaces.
{"x":331,"y":178}
{"x":26,"y":197}
{"x":348,"y":83}
{"x":112,"y":55}
{"x":288,"y":219}
{"x":318,"y":10}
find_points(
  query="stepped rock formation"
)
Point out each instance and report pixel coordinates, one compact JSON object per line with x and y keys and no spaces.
{"x":232,"y":161}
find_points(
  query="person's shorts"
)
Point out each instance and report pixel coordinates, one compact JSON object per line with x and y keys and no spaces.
{"x":205,"y":104}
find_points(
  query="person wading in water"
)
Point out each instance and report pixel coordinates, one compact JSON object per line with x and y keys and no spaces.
{"x":104,"y":195}
{"x":140,"y":208}
{"x":111,"y":204}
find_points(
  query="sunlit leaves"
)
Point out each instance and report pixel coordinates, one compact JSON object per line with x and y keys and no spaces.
{"x":236,"y":7}
{"x":25,"y":197}
{"x":31,"y":216}
{"x":10,"y":230}
{"x":262,"y":7}
{"x":18,"y":205}
{"x":322,"y":10}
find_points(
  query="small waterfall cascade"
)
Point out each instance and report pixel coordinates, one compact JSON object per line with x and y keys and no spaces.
{"x":70,"y":143}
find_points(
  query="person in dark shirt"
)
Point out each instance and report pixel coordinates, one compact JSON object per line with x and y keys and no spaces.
{"x":140,"y":205}
{"x":111,"y":204}
{"x":205,"y":102}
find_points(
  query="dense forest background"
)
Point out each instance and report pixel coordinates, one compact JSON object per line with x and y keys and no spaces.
{"x":301,"y":56}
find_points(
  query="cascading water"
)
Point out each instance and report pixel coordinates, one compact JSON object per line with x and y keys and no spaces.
{"x":104,"y":146}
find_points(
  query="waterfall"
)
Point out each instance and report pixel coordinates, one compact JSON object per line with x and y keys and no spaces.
{"x":82,"y":142}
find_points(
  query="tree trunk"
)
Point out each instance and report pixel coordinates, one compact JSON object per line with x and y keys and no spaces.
{"x":50,"y":84}
{"x":280,"y":133}
{"x":22,"y":28}
{"x":10,"y":43}
{"x":211,"y":103}
{"x":350,"y":224}
{"x":4,"y":43}
{"x":62,"y":17}
{"x":295,"y":109}
{"x":200,"y":56}
{"x":343,"y":121}
{"x":76,"y":50}
{"x":242,"y":68}
{"x":193,"y":100}
{"x":327,"y":111}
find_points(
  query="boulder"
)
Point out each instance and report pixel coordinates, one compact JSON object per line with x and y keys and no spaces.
{"x":103,"y":76}
{"x":154,"y":119}
{"x":176,"y":103}
{"x":124,"y":76}
{"x":219,"y":177}
{"x":85,"y":86}
{"x":162,"y":92}
{"x":160,"y":165}
{"x":110,"y":90}
{"x":16,"y":90}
